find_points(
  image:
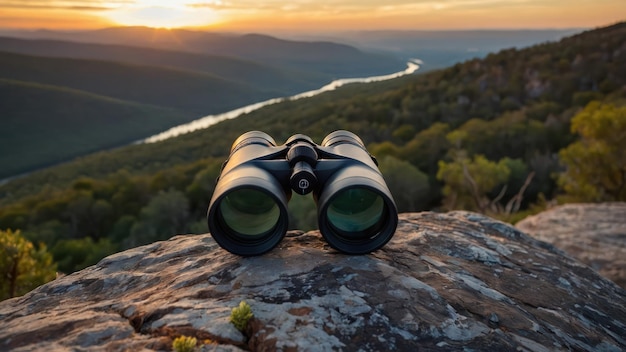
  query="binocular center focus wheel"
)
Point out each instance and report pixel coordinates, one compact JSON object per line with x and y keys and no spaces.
{"x":303,"y":179}
{"x":302,"y":158}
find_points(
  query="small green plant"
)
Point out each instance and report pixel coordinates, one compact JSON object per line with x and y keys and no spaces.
{"x":184,"y":344}
{"x":240,"y":316}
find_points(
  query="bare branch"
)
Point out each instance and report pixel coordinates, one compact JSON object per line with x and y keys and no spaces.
{"x":515,"y":203}
{"x":474,"y":189}
{"x":500,"y":195}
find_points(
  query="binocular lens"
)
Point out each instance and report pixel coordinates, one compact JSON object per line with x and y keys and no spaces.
{"x":355,"y":213}
{"x":249,"y":213}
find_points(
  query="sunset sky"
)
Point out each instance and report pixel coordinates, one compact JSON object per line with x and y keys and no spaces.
{"x":311,"y":15}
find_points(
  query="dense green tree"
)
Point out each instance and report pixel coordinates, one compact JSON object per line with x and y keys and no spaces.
{"x":596,"y":164}
{"x":16,"y":216}
{"x":404,"y":133}
{"x":22,"y":266}
{"x":166,"y":214}
{"x":542,"y":110}
{"x":380,"y":150}
{"x":121,"y":229}
{"x":79,"y":253}
{"x":78,"y":213}
{"x":427,"y":147}
{"x":511,"y":135}
{"x":51,"y":207}
{"x":408,"y":185}
{"x":200,"y":189}
{"x":518,"y":183}
{"x":48,"y":232}
{"x":468,"y":182}
{"x":479,"y":184}
{"x":131,"y":193}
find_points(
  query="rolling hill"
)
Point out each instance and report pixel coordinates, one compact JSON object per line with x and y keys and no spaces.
{"x":65,"y":123}
{"x":73,"y":96}
{"x":193,"y":91}
{"x":230,"y":68}
{"x":334,"y":59}
{"x":195,"y":81}
{"x":444,"y":48}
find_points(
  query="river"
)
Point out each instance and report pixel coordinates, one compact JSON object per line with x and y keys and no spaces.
{"x":204,"y":122}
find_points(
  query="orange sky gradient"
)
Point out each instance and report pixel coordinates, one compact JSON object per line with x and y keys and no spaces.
{"x":311,"y":15}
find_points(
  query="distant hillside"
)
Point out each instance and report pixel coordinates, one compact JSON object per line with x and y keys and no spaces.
{"x":54,"y":109}
{"x":331,"y":58}
{"x":337,"y":60}
{"x":65,"y":123}
{"x":230,"y":68}
{"x":191,"y":91}
{"x":197,"y":80}
{"x":439,"y":49}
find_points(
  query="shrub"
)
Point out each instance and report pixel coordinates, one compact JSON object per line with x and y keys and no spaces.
{"x":241,"y":315}
{"x":184,"y":344}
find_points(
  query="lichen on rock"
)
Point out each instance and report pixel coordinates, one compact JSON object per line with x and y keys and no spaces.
{"x":444,"y":282}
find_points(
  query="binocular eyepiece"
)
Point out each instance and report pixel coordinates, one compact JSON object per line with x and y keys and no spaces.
{"x":248,"y":211}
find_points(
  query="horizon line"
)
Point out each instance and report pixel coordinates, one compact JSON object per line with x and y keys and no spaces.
{"x":321,"y":30}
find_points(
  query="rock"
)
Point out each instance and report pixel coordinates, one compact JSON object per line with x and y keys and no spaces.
{"x":595,"y":234}
{"x":445,"y":282}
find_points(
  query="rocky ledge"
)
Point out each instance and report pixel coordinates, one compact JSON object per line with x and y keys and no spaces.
{"x":445,"y":282}
{"x":595,"y":234}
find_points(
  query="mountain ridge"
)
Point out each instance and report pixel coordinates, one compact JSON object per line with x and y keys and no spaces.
{"x":196,"y":83}
{"x":165,"y":86}
{"x":80,"y":135}
{"x":338,"y":60}
{"x":229,"y":68}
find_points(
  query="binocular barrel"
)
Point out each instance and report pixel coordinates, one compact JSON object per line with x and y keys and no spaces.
{"x":248,"y":211}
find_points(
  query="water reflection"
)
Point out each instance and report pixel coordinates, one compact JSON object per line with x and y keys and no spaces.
{"x":204,"y":122}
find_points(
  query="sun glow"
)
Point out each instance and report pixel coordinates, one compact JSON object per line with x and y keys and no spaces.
{"x":305,"y":15}
{"x":163,"y":14}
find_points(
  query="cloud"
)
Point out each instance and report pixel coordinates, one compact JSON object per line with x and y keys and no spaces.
{"x":231,"y":5}
{"x":80,"y":5}
{"x":350,"y":6}
{"x":310,"y":7}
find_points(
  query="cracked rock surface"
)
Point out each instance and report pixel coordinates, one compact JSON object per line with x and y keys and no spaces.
{"x":449,"y":281}
{"x":595,"y":234}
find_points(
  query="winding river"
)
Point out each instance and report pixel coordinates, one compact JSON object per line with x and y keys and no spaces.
{"x":204,"y":122}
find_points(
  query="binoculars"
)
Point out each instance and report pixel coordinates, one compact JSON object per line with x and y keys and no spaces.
{"x":248,"y":215}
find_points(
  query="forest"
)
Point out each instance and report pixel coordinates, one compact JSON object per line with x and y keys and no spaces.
{"x":64,"y":99}
{"x":507,"y":135}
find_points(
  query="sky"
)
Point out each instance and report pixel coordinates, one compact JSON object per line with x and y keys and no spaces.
{"x":311,"y":15}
